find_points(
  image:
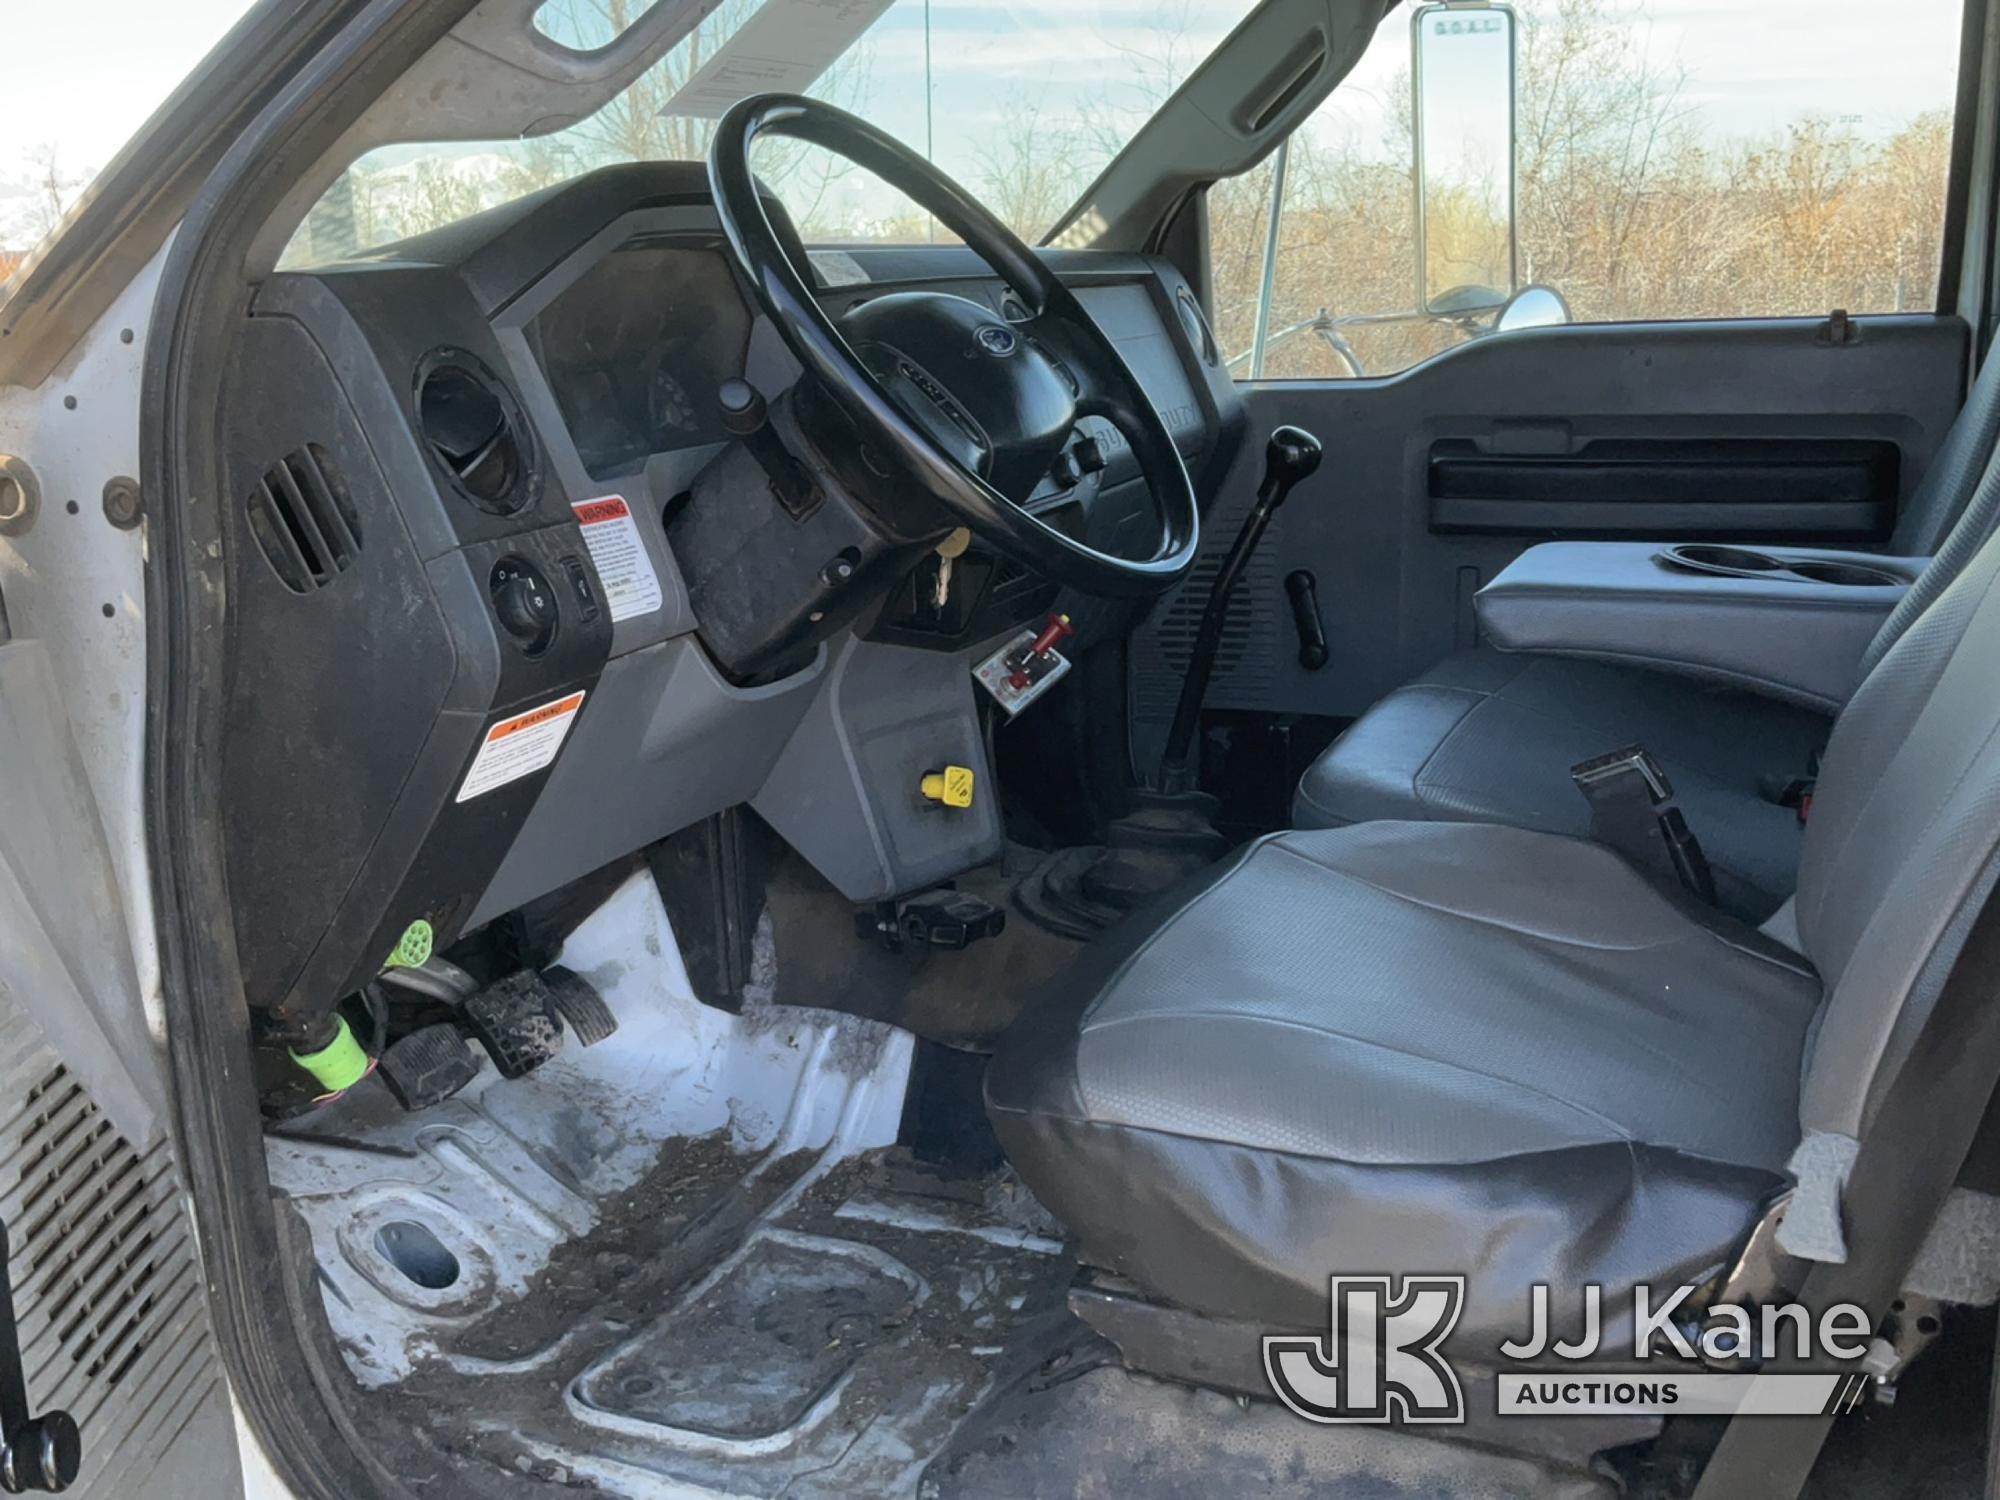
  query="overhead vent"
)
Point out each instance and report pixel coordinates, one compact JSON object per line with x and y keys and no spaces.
{"x":474,"y":431}
{"x":304,"y":520}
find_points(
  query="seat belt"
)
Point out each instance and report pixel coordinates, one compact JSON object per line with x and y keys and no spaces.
{"x":1632,"y":811}
{"x":1907,"y":1164}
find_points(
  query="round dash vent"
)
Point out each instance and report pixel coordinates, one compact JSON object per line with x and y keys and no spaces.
{"x":474,"y":431}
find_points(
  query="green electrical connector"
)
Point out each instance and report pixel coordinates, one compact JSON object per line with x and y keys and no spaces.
{"x":340,"y":1064}
{"x":413,"y":949}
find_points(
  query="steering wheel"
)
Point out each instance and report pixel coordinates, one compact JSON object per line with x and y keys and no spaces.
{"x":966,"y":406}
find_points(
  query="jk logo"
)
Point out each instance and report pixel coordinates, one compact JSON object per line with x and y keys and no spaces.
{"x":1381,"y":1362}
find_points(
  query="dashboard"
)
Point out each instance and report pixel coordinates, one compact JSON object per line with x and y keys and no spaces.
{"x":636,"y":347}
{"x":468,"y":663}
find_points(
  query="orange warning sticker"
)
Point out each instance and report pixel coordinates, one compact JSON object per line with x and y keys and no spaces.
{"x":519,"y":746}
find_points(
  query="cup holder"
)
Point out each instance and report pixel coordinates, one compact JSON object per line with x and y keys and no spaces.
{"x":1742,"y":562}
{"x":1725,"y":559}
{"x":1852,"y":574}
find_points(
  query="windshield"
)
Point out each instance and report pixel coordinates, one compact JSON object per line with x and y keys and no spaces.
{"x":1021,"y":102}
{"x":76,"y":93}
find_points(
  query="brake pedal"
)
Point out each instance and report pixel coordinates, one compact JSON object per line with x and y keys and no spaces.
{"x":516,"y":1021}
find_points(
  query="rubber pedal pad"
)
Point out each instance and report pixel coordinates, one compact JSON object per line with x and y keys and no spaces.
{"x":428,"y":1066}
{"x":578,"y":1002}
{"x":515,"y":1019}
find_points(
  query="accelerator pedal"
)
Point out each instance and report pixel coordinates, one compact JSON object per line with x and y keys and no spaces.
{"x":577,"y":1002}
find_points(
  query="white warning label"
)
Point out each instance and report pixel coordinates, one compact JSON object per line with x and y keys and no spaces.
{"x":519,"y":746}
{"x":610,"y":531}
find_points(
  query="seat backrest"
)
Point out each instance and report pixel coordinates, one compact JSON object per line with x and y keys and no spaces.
{"x":1900,"y":848}
{"x":1952,"y":513}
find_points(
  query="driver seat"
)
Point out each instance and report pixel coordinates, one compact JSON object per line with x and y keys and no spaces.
{"x":1405,"y":1047}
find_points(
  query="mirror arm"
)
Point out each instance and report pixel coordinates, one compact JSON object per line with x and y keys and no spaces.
{"x":1268,"y":276}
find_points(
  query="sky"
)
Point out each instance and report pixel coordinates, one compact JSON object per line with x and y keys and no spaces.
{"x":83,"y":78}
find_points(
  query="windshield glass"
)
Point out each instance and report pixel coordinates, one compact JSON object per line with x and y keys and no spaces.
{"x":77,"y":92}
{"x":1021,"y":102}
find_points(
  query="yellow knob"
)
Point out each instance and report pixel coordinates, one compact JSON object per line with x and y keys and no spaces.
{"x":952,"y":786}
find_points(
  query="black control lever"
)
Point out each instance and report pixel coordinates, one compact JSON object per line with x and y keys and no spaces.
{"x":1303,"y":590}
{"x":746,"y":413}
{"x":1291,"y":455}
{"x":36,"y":1453}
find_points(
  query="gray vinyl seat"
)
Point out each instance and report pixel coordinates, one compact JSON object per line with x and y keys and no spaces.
{"x":1465,"y":1047}
{"x":1489,"y":737}
{"x":1485,"y":736}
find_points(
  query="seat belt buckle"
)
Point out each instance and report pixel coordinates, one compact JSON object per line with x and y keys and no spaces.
{"x":1608,"y":773}
{"x":1632,"y":811}
{"x":1798,"y":792}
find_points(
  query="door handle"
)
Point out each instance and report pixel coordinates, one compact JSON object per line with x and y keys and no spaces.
{"x":36,"y":1453}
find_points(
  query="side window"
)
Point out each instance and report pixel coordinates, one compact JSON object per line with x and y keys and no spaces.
{"x":1593,"y":161}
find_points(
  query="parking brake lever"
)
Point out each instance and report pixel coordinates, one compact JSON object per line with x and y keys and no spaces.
{"x":1291,"y":455}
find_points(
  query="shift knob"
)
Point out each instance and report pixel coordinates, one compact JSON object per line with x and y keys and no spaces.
{"x":1291,"y":455}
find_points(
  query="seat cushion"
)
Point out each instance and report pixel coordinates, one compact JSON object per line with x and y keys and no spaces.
{"x":1488,"y":737}
{"x":1405,"y":1047}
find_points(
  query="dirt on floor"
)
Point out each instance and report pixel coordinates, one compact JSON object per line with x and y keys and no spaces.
{"x":661,"y":1233}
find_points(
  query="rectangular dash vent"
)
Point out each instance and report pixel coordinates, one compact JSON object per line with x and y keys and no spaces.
{"x":304,"y":520}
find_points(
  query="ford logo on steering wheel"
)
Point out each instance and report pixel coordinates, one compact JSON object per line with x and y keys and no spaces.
{"x":997,"y":341}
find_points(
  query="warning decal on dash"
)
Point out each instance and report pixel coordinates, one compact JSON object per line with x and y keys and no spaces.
{"x":519,"y":746}
{"x":610,"y":531}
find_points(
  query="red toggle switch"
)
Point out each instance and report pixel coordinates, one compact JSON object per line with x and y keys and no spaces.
{"x":1057,"y":630}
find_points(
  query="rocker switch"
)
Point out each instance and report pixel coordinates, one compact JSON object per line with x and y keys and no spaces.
{"x":580,"y":586}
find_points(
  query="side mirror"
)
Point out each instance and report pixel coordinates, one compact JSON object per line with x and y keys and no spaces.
{"x":1462,"y":75}
{"x":1467,"y":302}
{"x":1534,"y":306}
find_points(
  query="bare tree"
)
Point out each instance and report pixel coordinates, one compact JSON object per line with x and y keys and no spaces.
{"x":52,"y":192}
{"x":1626,"y":205}
{"x":1028,"y":172}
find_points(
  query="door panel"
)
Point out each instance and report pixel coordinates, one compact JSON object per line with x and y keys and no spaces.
{"x":1436,"y":478}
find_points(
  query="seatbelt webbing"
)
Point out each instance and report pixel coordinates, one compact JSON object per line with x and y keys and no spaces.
{"x":1632,"y":811}
{"x":1908,"y":1162}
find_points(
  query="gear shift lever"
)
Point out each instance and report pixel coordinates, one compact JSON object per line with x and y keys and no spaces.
{"x":1291,"y":455}
{"x":1170,"y":830}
